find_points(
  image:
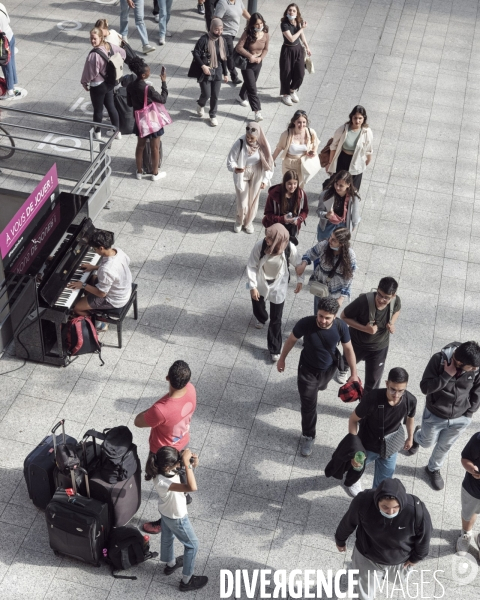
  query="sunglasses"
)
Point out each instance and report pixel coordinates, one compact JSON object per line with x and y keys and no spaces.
{"x":251,"y":129}
{"x":300,"y":112}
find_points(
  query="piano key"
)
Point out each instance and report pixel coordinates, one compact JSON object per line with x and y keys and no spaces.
{"x":68,"y":296}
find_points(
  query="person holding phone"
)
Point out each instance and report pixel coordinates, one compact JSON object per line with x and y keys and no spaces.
{"x":470,"y":496}
{"x":136,"y":99}
{"x":210,"y":54}
{"x":338,"y":206}
{"x":292,"y":54}
{"x":163,"y":467}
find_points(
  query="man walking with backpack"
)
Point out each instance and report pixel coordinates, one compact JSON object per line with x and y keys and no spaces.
{"x":371,"y":318}
{"x":451,"y":383}
{"x":393,"y":532}
{"x":318,"y":361}
{"x":169,"y":419}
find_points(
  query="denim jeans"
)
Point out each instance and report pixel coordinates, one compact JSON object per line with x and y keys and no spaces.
{"x":182,"y":530}
{"x":441,"y":432}
{"x":10,"y":70}
{"x":165,"y":8}
{"x":384,"y":467}
{"x":138,"y":12}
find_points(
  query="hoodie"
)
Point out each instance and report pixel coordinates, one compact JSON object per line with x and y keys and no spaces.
{"x":450,"y":397}
{"x":387,"y":541}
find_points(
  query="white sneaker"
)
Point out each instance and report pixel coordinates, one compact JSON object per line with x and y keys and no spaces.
{"x":148,"y":48}
{"x":259,"y":325}
{"x":200,"y":110}
{"x":463,"y":543}
{"x":341,"y":377}
{"x":354,"y":489}
{"x":306,"y":445}
{"x":287,"y":100}
{"x":237,"y":228}
{"x":249,"y":229}
{"x":138,"y":175}
{"x":258,"y":116}
{"x":157,"y":18}
{"x":125,"y":39}
{"x":213,"y":122}
{"x":294,"y":97}
{"x":159,"y":175}
{"x":118,"y":136}
{"x":161,"y":41}
{"x":168,"y":34}
{"x":275,"y":357}
{"x":242,"y":102}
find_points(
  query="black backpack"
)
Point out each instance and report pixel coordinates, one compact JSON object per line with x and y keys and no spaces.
{"x":118,"y":455}
{"x":127,"y":547}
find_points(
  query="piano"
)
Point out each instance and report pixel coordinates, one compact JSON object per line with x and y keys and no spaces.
{"x":37,"y":275}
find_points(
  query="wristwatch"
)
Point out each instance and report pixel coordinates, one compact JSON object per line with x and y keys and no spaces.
{"x":84,"y":284}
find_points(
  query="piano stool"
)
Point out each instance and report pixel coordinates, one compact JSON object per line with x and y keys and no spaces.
{"x":116,"y":316}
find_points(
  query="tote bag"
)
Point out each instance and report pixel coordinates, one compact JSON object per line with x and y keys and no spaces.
{"x":152,"y":117}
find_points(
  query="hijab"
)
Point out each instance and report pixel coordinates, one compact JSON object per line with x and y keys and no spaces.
{"x":260,"y":144}
{"x":216,"y":22}
{"x":280,"y":238}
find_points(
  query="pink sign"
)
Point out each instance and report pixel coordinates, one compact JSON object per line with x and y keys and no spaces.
{"x":17,"y":226}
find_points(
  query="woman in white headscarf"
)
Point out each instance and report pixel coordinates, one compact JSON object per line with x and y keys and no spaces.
{"x":268,"y":277}
{"x":250,"y":160}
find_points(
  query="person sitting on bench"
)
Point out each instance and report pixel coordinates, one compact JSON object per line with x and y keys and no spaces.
{"x":112,"y":287}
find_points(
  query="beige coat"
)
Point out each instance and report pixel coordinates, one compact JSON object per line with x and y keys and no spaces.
{"x":363,"y":149}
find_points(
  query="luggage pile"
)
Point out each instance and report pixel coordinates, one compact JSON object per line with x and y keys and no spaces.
{"x":90,"y":490}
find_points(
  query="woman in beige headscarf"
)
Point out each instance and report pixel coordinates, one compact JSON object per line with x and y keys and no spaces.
{"x":268,"y":277}
{"x":209,"y":67}
{"x":250,"y":160}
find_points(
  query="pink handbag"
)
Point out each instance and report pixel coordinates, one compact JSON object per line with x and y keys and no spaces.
{"x":152,"y":117}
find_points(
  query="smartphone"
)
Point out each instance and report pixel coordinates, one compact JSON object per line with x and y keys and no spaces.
{"x":163,"y":71}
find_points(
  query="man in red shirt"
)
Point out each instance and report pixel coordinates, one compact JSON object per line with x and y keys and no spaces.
{"x":169,"y":418}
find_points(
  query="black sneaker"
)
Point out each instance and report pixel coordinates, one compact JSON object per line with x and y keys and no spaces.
{"x":201,"y":9}
{"x":179,"y":563}
{"x":435,"y":479}
{"x":415,"y":446}
{"x":196,"y":582}
{"x":236,"y":80}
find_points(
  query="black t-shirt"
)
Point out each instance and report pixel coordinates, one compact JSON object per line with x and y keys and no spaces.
{"x":370,"y":431}
{"x":472,"y":452}
{"x":293,"y":29}
{"x":315,"y":354}
{"x":358,"y":310}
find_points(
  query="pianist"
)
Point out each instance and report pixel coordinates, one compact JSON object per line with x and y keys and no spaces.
{"x":112,"y":287}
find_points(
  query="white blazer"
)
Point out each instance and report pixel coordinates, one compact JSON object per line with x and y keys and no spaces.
{"x":276,"y":292}
{"x":237,"y":159}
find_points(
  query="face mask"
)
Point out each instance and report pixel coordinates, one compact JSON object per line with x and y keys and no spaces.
{"x":387,"y":516}
{"x":291,"y":18}
{"x":258,"y":28}
{"x":217,"y":35}
{"x":334,"y":247}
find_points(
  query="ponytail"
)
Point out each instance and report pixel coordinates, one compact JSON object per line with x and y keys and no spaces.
{"x":151,"y":469}
{"x":161,"y":462}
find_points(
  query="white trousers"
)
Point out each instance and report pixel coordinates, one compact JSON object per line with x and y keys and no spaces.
{"x":247,"y":200}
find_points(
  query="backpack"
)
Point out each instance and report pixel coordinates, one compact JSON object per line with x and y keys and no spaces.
{"x":114,"y":66}
{"x":5,"y":52}
{"x":80,"y":337}
{"x":118,"y":455}
{"x":372,"y":308}
{"x":127,"y":547}
{"x":418,"y":507}
{"x":3,"y":86}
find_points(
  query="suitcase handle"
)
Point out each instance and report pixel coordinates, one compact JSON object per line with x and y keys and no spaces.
{"x":54,"y":435}
{"x":87,"y":483}
{"x":94,"y":434}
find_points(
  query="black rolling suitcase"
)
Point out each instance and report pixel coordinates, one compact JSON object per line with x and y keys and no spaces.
{"x":38,"y":469}
{"x":77,"y":526}
{"x":147,"y":158}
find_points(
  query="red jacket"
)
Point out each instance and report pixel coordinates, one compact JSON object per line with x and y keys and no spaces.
{"x":272,"y":213}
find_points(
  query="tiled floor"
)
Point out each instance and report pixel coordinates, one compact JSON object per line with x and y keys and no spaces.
{"x":414,"y":65}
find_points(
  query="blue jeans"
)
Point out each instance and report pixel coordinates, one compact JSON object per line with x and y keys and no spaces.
{"x":441,"y":432}
{"x":165,"y":8}
{"x":139,"y":22}
{"x":182,"y":530}
{"x":384,"y":467}
{"x":10,"y":70}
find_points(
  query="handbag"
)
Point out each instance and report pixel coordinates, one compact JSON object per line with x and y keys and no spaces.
{"x":320,"y":289}
{"x":241,"y":62}
{"x":148,"y":118}
{"x":337,"y":358}
{"x":324,"y":155}
{"x":310,"y":166}
{"x":309,"y":65}
{"x":392,"y":442}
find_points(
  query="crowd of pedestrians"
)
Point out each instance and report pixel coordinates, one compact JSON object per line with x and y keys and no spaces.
{"x":382,"y":424}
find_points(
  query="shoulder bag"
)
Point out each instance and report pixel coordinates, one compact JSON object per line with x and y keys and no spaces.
{"x":148,"y":119}
{"x":324,"y":155}
{"x":393,"y":442}
{"x":337,"y":357}
{"x":321,"y":289}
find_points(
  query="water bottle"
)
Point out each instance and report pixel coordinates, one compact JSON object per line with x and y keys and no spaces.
{"x":360,"y":459}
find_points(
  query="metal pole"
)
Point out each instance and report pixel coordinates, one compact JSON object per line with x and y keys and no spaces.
{"x":252,"y":6}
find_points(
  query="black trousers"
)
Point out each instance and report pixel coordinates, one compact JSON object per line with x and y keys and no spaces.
{"x":274,"y":335}
{"x":230,"y":64}
{"x":343,"y":164}
{"x":102,"y":95}
{"x":249,"y":87}
{"x":292,"y":68}
{"x":156,"y":10}
{"x":210,"y":90}
{"x":209,"y":10}
{"x":309,"y":384}
{"x":374,"y":365}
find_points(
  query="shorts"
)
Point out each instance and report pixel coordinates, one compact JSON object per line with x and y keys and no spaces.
{"x":470,"y":505}
{"x":97,"y":303}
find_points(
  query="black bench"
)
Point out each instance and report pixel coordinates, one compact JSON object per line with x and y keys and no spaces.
{"x":115,"y":316}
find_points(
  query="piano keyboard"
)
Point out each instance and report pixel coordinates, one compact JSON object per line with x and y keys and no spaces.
{"x":67,"y":297}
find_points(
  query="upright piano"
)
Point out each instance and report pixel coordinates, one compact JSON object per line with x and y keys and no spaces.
{"x":37,"y":275}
